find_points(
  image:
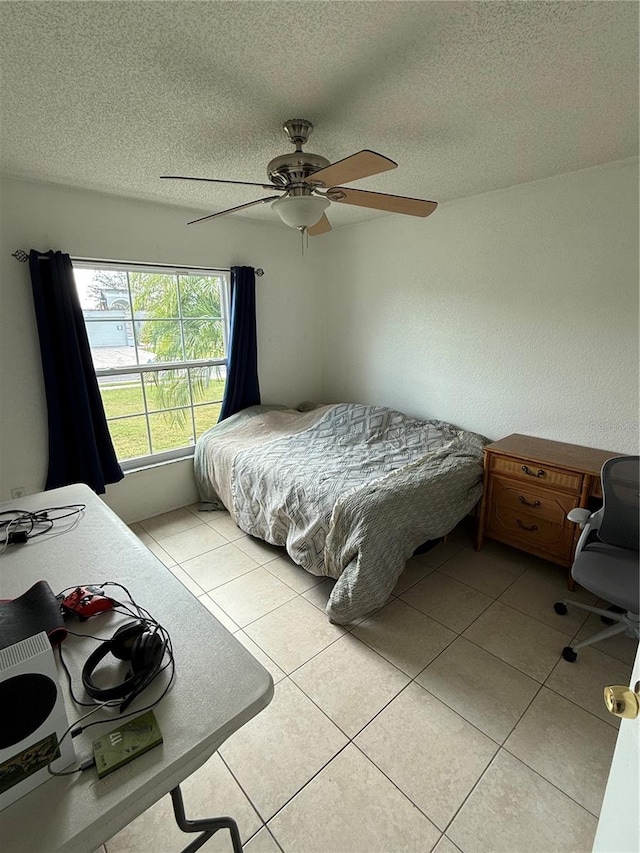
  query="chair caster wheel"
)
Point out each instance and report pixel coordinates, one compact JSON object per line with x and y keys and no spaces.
{"x":561,"y":608}
{"x":569,"y":655}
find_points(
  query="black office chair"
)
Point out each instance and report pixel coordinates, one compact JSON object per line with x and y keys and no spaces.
{"x":606,"y":561}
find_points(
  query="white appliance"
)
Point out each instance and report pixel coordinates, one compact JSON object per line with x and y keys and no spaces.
{"x":33,"y":718}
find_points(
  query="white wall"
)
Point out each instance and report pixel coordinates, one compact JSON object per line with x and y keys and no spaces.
{"x":512,"y":311}
{"x":44,"y":216}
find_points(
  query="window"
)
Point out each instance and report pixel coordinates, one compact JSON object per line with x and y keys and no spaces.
{"x":158,"y":339}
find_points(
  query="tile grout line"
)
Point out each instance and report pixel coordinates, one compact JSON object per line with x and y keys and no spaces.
{"x":428,"y":615}
{"x":296,"y":792}
{"x":251,"y":622}
{"x":577,"y":704}
{"x":537,"y":772}
{"x":241,"y":575}
{"x":539,"y":683}
{"x":288,"y":674}
{"x":483,"y":592}
{"x":350,"y":741}
{"x":403,"y":793}
{"x":246,"y":796}
{"x":533,"y":770}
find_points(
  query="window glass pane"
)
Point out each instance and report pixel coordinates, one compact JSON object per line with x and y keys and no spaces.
{"x":159,"y":340}
{"x":129,"y":437}
{"x":121,"y":395}
{"x":203,"y":339}
{"x":102,"y":290}
{"x":154,"y":295}
{"x":171,"y":429}
{"x":143,"y":317}
{"x":110,"y":338}
{"x":207,"y":383}
{"x":200,"y":295}
{"x":166,"y":389}
{"x":206,"y":417}
{"x":104,"y":297}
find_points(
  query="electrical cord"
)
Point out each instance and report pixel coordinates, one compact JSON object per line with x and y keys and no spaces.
{"x":26,"y":524}
{"x":85,"y":765}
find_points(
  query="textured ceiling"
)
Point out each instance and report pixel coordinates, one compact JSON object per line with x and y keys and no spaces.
{"x":466,"y":97}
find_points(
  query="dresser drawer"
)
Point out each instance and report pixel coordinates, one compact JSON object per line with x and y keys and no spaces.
{"x":531,"y":533}
{"x":526,"y":498}
{"x":532,"y":472}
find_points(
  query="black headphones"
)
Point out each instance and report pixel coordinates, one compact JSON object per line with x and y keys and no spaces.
{"x":140,"y":642}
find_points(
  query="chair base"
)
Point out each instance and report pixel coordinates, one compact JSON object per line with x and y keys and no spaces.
{"x":623,"y":623}
{"x":607,"y":620}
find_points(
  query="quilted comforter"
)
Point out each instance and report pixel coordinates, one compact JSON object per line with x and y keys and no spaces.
{"x":349,"y":490}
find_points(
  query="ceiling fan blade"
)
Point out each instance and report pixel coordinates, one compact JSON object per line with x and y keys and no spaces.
{"x":359,"y":165}
{"x":321,"y":227}
{"x":233,"y":209}
{"x":382,"y":201}
{"x":217,"y":181}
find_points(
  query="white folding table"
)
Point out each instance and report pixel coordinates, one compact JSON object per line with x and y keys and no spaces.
{"x":218,"y":685}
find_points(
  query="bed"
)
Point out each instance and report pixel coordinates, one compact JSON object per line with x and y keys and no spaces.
{"x":349,"y":490}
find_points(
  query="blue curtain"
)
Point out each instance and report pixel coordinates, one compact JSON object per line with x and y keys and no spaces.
{"x":242,"y":387}
{"x":80,"y":447}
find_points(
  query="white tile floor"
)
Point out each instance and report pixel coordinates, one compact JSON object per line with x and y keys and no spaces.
{"x":447,"y":721}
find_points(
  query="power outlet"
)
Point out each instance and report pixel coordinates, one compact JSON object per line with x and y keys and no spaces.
{"x":18,"y":492}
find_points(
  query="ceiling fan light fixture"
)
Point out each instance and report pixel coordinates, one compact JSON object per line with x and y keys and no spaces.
{"x":301,"y":211}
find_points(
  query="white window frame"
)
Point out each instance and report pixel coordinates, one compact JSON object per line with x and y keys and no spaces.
{"x":123,"y":266}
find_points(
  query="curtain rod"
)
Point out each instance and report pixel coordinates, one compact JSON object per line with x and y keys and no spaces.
{"x":23,"y":257}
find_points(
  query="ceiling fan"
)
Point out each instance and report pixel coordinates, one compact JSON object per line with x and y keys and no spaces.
{"x":309,"y":183}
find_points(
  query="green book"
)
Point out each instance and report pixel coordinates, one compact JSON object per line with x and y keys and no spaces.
{"x":131,"y":739}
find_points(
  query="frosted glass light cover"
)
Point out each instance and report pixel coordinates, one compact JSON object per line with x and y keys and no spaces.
{"x":300,"y":211}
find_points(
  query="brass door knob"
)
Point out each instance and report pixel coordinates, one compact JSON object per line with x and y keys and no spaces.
{"x":622,"y":701}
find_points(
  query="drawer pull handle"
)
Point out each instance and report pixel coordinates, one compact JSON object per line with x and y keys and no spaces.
{"x":527,"y":470}
{"x":524,"y":501}
{"x":524,"y":526}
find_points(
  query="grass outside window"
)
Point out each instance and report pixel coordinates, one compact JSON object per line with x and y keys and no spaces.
{"x":124,"y":407}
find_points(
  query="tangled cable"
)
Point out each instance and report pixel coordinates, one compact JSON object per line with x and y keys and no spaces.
{"x":23,"y":524}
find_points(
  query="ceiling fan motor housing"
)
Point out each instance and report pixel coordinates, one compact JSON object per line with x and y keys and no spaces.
{"x":289,"y":170}
{"x":294,"y":168}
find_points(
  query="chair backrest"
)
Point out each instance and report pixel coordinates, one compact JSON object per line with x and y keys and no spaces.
{"x":621,"y":502}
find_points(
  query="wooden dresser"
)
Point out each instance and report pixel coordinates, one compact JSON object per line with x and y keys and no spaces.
{"x":530,"y":484}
